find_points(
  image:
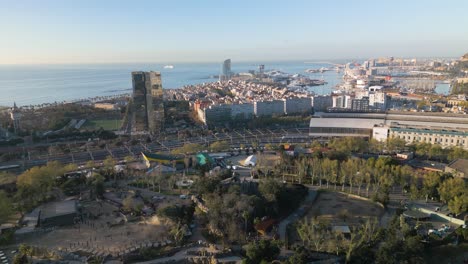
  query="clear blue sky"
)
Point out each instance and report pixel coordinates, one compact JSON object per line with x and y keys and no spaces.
{"x":101,"y":31}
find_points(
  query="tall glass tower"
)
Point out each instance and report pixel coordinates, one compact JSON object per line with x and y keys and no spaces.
{"x":225,"y":71}
{"x":148,"y":104}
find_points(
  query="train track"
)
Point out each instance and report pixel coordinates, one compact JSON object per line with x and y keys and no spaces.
{"x":237,"y":138}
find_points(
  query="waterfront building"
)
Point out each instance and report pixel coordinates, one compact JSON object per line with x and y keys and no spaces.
{"x":360,"y":105}
{"x":371,"y":72}
{"x":361,"y":84}
{"x":261,"y":68}
{"x":321,"y":103}
{"x":215,"y":114}
{"x":222,"y":113}
{"x":378,"y":100}
{"x":342,"y":101}
{"x":269,"y":108}
{"x":148,"y":104}
{"x":297,"y":105}
{"x":225,"y":71}
{"x":15,"y":115}
{"x":366,"y":65}
{"x":242,"y":111}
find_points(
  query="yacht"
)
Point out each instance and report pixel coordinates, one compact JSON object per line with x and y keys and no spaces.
{"x":169,"y":67}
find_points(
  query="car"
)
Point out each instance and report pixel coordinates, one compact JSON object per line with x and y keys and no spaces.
{"x":183,"y":196}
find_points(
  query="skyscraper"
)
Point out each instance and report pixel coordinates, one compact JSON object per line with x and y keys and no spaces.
{"x":148,"y":104}
{"x":225,"y":71}
{"x":15,"y":115}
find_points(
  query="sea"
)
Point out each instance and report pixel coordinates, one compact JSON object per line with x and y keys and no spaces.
{"x":37,"y":84}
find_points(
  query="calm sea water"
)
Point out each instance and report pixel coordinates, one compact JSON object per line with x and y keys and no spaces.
{"x":36,"y":84}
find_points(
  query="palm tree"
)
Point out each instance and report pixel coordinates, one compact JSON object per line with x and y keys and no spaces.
{"x":246,"y":217}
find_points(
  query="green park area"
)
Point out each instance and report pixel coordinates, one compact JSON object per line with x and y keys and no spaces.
{"x":106,"y":124}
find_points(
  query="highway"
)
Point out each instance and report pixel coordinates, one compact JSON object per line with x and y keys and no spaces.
{"x":235,"y":138}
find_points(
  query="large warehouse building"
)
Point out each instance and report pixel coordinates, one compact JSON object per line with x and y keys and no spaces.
{"x":446,"y":130}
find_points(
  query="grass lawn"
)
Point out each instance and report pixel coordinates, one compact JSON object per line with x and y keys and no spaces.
{"x":112,"y":124}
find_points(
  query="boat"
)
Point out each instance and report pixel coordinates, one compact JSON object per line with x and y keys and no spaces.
{"x":169,"y":67}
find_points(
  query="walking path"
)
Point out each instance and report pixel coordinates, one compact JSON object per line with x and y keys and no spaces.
{"x":296,"y":214}
{"x":183,"y":254}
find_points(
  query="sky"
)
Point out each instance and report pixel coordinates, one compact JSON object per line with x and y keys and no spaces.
{"x":170,"y":31}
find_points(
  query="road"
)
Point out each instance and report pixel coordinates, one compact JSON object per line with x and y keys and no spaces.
{"x":236,"y":138}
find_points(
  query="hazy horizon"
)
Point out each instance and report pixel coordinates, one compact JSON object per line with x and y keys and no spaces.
{"x":109,"y":32}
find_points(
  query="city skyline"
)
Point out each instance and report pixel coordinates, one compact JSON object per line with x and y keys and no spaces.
{"x":55,"y":32}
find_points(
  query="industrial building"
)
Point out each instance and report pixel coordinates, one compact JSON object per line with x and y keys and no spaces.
{"x":147,"y":103}
{"x":324,"y":126}
{"x":447,"y":131}
{"x":432,"y":135}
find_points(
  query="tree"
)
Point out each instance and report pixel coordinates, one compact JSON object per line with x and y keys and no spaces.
{"x":395,"y":144}
{"x":270,"y":189}
{"x":246,"y":217}
{"x":109,"y":164}
{"x":452,"y":188}
{"x":35,"y":184}
{"x":299,"y":257}
{"x":459,"y":204}
{"x":431,"y":183}
{"x":5,"y":207}
{"x":219,"y":146}
{"x":312,"y":232}
{"x":263,"y":250}
{"x":436,"y":151}
{"x":25,"y":250}
{"x":129,"y":159}
{"x":178,"y":232}
{"x":7,"y":178}
{"x":375,"y":146}
{"x":90,"y":164}
{"x":130,"y":204}
{"x":422,"y":149}
{"x":188,"y":148}
{"x":96,"y":182}
{"x":20,"y":259}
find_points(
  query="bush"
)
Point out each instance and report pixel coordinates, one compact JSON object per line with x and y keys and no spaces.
{"x":183,"y":214}
{"x":7,"y":237}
